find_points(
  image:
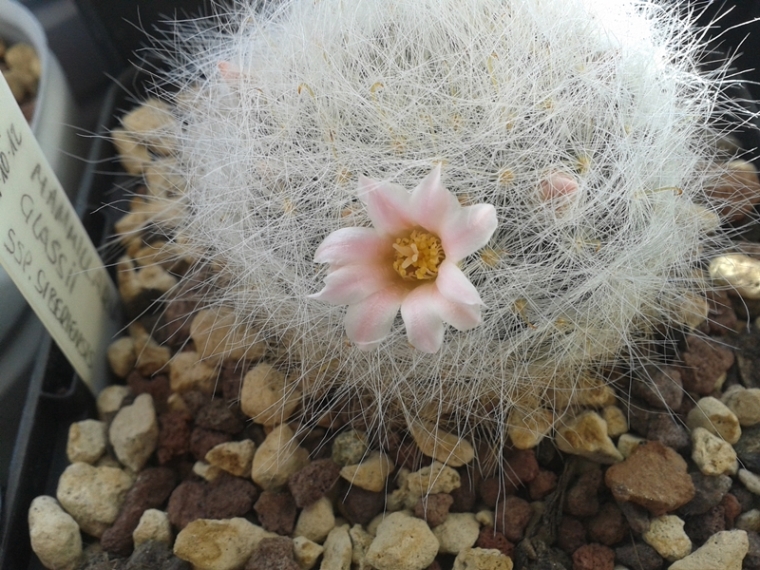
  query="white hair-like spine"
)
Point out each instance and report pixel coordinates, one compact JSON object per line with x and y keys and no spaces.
{"x":312,"y":94}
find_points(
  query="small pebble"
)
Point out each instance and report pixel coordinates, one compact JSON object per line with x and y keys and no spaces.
{"x":187,"y":372}
{"x":442,"y":446}
{"x":134,"y":432}
{"x":349,"y":447}
{"x":93,"y":495}
{"x":316,"y":521}
{"x":371,"y":474}
{"x":217,"y":337}
{"x":738,"y":271}
{"x":744,"y":403}
{"x":266,"y":396}
{"x":712,"y":455}
{"x":457,"y":532}
{"x":277,"y":458}
{"x":749,"y":521}
{"x":306,"y":552}
{"x":750,"y":480}
{"x":723,"y":551}
{"x":436,"y":478}
{"x":121,"y":356}
{"x":234,"y":457}
{"x":54,"y":535}
{"x":218,"y":544}
{"x":667,"y":537}
{"x":586,"y":435}
{"x":482,"y":559}
{"x":154,"y":525}
{"x":109,"y":401}
{"x":337,"y":550}
{"x":714,"y":416}
{"x":402,"y":543}
{"x":526,"y":429}
{"x":87,"y":441}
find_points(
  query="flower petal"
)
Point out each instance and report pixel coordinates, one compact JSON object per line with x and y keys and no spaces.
{"x":350,"y":284}
{"x":369,"y":322}
{"x":454,"y":285}
{"x":352,"y":245}
{"x":460,"y":316}
{"x":387,"y":205}
{"x":467,"y":230}
{"x":431,"y":203}
{"x":422,"y":319}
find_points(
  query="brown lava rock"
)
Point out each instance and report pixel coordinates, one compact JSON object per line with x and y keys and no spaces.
{"x":512,"y":516}
{"x":489,"y":537}
{"x":521,"y":467}
{"x":594,"y":557}
{"x":173,"y":436}
{"x":187,"y":503}
{"x":274,"y":553}
{"x":434,"y":508}
{"x":660,"y":387}
{"x":464,"y":497}
{"x":654,"y":476}
{"x":705,"y":360}
{"x":701,"y":527}
{"x":360,"y":506}
{"x":216,"y":415}
{"x":608,"y":527}
{"x":544,"y":484}
{"x":150,"y":490}
{"x":312,"y":482}
{"x":157,"y":386}
{"x":582,"y":498}
{"x":571,"y":534}
{"x":228,"y":497}
{"x":640,"y":556}
{"x":202,"y":440}
{"x":277,"y":512}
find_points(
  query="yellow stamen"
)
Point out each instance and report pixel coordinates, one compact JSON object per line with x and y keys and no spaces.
{"x":418,"y":256}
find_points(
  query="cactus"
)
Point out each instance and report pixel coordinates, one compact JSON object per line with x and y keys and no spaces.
{"x":586,"y":124}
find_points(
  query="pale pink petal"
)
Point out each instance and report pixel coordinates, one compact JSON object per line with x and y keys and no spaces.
{"x":430,"y":202}
{"x":467,"y":230}
{"x":352,"y":245}
{"x":350,"y":284}
{"x":387,"y":206}
{"x":460,"y":316}
{"x":421,"y":313}
{"x":558,"y":185}
{"x":370,"y":321}
{"x":454,"y":285}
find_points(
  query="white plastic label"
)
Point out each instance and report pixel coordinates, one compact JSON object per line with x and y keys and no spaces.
{"x":48,"y":254}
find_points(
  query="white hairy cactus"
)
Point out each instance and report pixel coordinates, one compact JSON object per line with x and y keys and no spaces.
{"x":586,"y":124}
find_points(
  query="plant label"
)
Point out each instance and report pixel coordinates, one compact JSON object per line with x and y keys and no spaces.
{"x":48,"y":254}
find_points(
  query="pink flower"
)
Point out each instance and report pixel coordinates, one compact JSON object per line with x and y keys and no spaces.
{"x":408,"y":260}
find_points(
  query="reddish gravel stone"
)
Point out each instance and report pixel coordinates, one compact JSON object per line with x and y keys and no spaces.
{"x":275,"y":553}
{"x":312,"y":482}
{"x":175,"y":321}
{"x":489,"y":537}
{"x":594,"y":557}
{"x":732,"y":508}
{"x":434,"y":508}
{"x":173,"y":436}
{"x":194,"y":400}
{"x":434,"y":566}
{"x":464,"y":497}
{"x":571,"y":534}
{"x":721,"y":318}
{"x":512,"y":516}
{"x":582,"y":498}
{"x":636,"y":516}
{"x":228,"y":497}
{"x":217,"y":415}
{"x":360,"y":506}
{"x":202,"y":440}
{"x":231,"y":380}
{"x":704,"y":361}
{"x":660,"y":387}
{"x":521,"y":467}
{"x":277,"y":512}
{"x":187,"y":503}
{"x":639,"y":556}
{"x":654,"y":476}
{"x":709,"y":492}
{"x":544,"y":483}
{"x":609,"y":526}
{"x":408,"y":455}
{"x":701,"y":527}
{"x":150,"y":490}
{"x":157,"y":386}
{"x":668,"y":431}
{"x":494,"y":490}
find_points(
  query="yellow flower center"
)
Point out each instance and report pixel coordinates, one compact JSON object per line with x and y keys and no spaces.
{"x":418,"y":256}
